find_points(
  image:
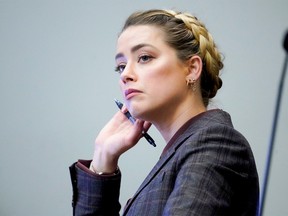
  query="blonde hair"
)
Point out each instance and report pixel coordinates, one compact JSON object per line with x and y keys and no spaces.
{"x":188,"y":36}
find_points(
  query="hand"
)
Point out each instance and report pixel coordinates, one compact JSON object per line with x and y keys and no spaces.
{"x":117,"y":136}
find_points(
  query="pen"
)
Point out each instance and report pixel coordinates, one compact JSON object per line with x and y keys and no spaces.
{"x":130,"y":117}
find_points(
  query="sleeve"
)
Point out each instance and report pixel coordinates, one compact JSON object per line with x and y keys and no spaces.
{"x":216,"y":176}
{"x":94,"y":194}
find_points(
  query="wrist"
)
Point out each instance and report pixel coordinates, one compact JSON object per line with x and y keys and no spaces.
{"x":103,"y":162}
{"x":115,"y":172}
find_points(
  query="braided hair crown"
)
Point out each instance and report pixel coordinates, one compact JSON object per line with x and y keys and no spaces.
{"x":188,"y":36}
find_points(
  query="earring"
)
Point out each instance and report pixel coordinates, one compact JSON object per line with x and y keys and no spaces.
{"x":192,"y":84}
{"x":188,"y":82}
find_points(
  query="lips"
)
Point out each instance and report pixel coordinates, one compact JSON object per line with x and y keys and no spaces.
{"x":130,"y":93}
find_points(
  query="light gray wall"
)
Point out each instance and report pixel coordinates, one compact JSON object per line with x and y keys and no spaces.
{"x":57,"y":85}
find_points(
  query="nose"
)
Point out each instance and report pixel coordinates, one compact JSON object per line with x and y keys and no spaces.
{"x":128,"y":75}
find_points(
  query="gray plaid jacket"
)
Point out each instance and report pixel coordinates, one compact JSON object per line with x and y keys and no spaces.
{"x":209,"y":170}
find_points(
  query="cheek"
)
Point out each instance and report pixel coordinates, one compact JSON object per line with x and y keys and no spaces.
{"x":155,"y":81}
{"x":160,"y":82}
{"x":160,"y":72}
{"x":121,"y":86}
{"x":168,"y":75}
{"x":169,"y":79}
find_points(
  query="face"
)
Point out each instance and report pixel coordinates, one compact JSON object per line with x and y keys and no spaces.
{"x":152,"y":78}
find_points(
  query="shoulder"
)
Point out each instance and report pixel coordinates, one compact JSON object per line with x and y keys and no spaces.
{"x":215,"y":125}
{"x":212,"y":138}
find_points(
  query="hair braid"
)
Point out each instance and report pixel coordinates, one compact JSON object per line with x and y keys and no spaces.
{"x":208,"y":51}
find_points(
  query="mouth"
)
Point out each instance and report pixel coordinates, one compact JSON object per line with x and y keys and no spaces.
{"x":130,"y":93}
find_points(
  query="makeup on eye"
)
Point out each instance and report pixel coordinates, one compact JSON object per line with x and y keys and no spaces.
{"x":144,"y":53}
{"x":143,"y":58}
{"x":120,"y":68}
{"x":121,"y":62}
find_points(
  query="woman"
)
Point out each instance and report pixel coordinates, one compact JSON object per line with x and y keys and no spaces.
{"x":169,"y":69}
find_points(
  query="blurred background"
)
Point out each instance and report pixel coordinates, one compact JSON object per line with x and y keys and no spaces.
{"x":57,"y":85}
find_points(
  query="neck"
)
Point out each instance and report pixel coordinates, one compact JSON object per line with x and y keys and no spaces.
{"x":169,"y":126}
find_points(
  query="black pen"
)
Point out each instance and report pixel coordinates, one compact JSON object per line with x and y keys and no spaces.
{"x":130,"y":117}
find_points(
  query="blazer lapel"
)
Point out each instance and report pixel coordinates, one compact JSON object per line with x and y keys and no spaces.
{"x":153,"y":173}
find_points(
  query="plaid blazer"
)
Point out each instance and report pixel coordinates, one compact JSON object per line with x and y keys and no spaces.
{"x":209,"y":170}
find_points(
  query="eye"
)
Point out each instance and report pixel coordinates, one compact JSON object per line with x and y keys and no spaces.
{"x":144,"y":58}
{"x":120,"y":68}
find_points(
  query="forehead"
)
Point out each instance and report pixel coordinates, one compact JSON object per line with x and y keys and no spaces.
{"x":139,"y":34}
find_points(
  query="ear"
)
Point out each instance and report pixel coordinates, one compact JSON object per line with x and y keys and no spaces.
{"x":194,"y":68}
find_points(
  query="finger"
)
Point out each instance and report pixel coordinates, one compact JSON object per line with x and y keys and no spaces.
{"x":146,"y":126}
{"x":124,"y":109}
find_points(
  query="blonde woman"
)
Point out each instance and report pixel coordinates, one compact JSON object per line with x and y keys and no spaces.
{"x":169,"y":68}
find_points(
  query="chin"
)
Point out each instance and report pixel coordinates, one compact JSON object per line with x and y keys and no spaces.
{"x":139,"y":109}
{"x":137,"y":112}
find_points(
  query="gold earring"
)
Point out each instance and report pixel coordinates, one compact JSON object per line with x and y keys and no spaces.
{"x":192,"y":84}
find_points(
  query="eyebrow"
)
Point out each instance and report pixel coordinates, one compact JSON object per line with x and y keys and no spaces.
{"x":133,"y":49}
